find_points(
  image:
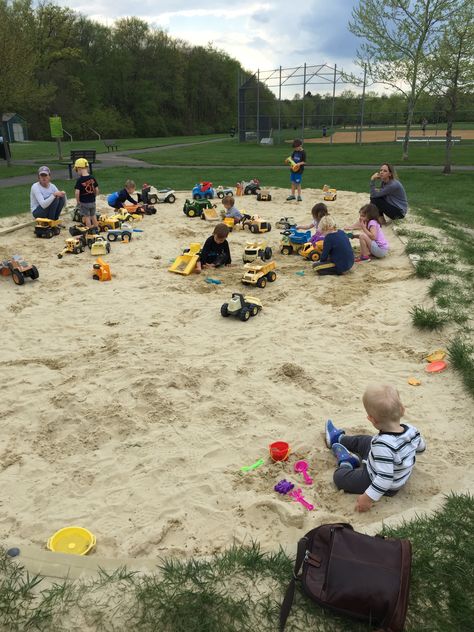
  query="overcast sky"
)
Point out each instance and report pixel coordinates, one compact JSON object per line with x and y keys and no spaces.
{"x":260,"y":34}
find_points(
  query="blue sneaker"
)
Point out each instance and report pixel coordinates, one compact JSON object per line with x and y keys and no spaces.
{"x":344,"y":457}
{"x":332,"y":433}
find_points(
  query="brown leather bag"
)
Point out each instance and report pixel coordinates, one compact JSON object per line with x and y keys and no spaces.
{"x":353,"y":574}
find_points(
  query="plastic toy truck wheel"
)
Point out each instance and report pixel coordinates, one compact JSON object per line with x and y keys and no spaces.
{"x":60,"y":256}
{"x":286,"y":250}
{"x":76,"y":250}
{"x":56,"y":230}
{"x":126,"y":235}
{"x":247,"y":190}
{"x":208,"y":196}
{"x":18,"y":277}
{"x":262,"y":281}
{"x":268,"y":253}
{"x":314,"y":256}
{"x":33,"y":273}
{"x":48,"y":233}
{"x":244,"y":314}
{"x":191,"y":213}
{"x":112,"y":237}
{"x":171,"y":199}
{"x":197,"y":196}
{"x":224,"y":310}
{"x":152,"y":198}
{"x":107,"y":248}
{"x":95,"y":277}
{"x":220,"y":195}
{"x":253,"y":310}
{"x":271,"y":276}
{"x":253,"y":228}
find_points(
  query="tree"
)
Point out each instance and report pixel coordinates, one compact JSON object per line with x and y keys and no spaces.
{"x":453,"y":64}
{"x":401,"y":37}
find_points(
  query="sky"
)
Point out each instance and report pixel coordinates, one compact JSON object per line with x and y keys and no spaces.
{"x":260,"y":34}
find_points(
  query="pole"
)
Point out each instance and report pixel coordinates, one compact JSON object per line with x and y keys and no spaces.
{"x":279,"y":108}
{"x":238,"y":104}
{"x":58,"y":141}
{"x":302,"y":103}
{"x":258,"y":105}
{"x":333,"y":102}
{"x":362,"y":105}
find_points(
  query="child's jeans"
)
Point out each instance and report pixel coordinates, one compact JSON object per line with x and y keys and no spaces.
{"x":355,"y":481}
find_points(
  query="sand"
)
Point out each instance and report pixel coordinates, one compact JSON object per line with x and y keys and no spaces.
{"x":129,"y":407}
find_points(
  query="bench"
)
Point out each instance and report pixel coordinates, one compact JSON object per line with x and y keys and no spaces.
{"x":429,"y":139}
{"x":88,"y":154}
{"x":111,"y":145}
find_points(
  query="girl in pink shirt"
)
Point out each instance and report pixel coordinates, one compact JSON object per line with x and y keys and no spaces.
{"x":372,"y":240}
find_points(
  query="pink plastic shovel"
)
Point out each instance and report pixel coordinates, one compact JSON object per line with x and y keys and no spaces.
{"x":298,"y":496}
{"x":302,"y":468}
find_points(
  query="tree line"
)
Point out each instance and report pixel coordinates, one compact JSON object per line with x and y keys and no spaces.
{"x":122,"y":80}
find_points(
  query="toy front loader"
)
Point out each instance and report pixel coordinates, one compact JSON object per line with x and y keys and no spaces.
{"x":186,"y":263}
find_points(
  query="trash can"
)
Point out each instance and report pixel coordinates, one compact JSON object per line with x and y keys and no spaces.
{"x":4,"y":149}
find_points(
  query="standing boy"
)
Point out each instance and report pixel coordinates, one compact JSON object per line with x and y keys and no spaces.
{"x":296,"y":176}
{"x":86,"y":191}
{"x":388,"y":457}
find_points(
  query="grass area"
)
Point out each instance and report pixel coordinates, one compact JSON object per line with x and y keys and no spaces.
{"x":240,"y":590}
{"x":17,"y":170}
{"x":47,"y":150}
{"x":231,"y":152}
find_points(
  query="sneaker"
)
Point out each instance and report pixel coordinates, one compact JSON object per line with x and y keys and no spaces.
{"x":362,"y":258}
{"x":344,"y":457}
{"x":290,"y":197}
{"x":332,"y":433}
{"x":299,"y":198}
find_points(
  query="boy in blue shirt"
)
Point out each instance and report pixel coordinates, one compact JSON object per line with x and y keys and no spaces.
{"x":298,"y":156}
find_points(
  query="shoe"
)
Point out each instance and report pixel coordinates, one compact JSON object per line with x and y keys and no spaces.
{"x":332,"y":433}
{"x":360,"y":259}
{"x":299,"y":198}
{"x":290,"y":197}
{"x":344,"y":457}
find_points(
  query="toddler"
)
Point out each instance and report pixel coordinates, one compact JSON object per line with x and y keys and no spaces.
{"x":299,"y":156}
{"x":372,"y":240}
{"x":215,"y":251}
{"x":86,"y":191}
{"x":117,"y":200}
{"x":337,"y":256}
{"x":230,"y":210}
{"x":318,"y":211}
{"x":388,"y":457}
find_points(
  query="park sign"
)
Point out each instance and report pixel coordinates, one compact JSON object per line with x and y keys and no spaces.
{"x":56,"y":126}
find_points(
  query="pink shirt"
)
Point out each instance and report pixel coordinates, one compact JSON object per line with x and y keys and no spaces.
{"x":379,"y":236}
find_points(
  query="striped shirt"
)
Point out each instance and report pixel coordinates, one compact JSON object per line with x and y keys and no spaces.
{"x":391,"y":460}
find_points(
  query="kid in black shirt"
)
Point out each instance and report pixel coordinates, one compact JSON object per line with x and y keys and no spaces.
{"x":215,"y":251}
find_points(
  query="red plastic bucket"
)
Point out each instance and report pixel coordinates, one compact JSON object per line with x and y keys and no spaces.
{"x":279,"y":450}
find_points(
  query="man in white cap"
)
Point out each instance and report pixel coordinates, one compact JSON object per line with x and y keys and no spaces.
{"x":45,"y":199}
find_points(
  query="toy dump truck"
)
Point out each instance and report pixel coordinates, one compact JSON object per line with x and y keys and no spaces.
{"x":19,"y":269}
{"x":292,"y":241}
{"x":186,"y":263}
{"x":258,"y":274}
{"x":256,"y":250}
{"x":285,"y":223}
{"x":329,"y":195}
{"x":47,"y":227}
{"x":151,"y":195}
{"x":241,"y":306}
{"x":109,"y":223}
{"x":256,"y":224}
{"x":203,"y":191}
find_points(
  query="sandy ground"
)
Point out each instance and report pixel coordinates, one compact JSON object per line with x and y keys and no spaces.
{"x":129,"y":407}
{"x":379,"y":136}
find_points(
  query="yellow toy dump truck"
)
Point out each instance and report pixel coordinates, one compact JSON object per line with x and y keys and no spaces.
{"x":329,"y":195}
{"x":186,"y":263}
{"x":256,"y":224}
{"x":256,"y":250}
{"x":47,"y":227}
{"x":258,"y":274}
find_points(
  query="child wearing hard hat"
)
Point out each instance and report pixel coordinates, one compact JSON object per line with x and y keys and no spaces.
{"x":86,"y":191}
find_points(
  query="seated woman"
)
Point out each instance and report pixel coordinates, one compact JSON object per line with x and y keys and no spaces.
{"x":45,"y":199}
{"x":390,"y":198}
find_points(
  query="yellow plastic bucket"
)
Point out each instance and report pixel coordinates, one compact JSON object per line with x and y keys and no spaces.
{"x":74,"y":540}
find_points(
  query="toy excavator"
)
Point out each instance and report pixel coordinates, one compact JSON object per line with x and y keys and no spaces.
{"x":73,"y":245}
{"x":186,"y":263}
{"x":295,"y":166}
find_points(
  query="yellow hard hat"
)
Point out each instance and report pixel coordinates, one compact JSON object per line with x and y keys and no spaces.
{"x":81,"y":163}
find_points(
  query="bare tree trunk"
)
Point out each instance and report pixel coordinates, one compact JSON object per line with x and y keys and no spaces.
{"x":449,"y":144}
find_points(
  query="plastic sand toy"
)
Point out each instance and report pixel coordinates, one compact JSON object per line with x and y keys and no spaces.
{"x":302,"y":468}
{"x":283,"y":486}
{"x":279,"y":450}
{"x":436,"y":367}
{"x":248,"y":468}
{"x":298,"y":497}
{"x":74,"y":540}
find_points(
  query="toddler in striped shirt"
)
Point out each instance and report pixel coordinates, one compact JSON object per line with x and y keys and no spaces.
{"x":374,"y":466}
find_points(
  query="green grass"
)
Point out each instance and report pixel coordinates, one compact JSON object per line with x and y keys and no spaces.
{"x":427,"y":318}
{"x":231,"y":152}
{"x":240,"y":589}
{"x":47,"y":150}
{"x":461,"y":356}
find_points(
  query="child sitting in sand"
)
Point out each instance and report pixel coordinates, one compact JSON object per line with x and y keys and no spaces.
{"x":215,"y":251}
{"x":387,"y":458}
{"x":117,"y":200}
{"x":318,"y":211}
{"x":337,"y":256}
{"x":230,"y":211}
{"x":372,"y":240}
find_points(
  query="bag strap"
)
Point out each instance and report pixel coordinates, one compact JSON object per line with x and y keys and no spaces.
{"x":290,"y":591}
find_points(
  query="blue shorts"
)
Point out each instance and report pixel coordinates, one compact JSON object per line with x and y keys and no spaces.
{"x":296,"y":177}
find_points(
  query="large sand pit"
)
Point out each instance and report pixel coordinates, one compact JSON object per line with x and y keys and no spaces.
{"x":129,"y":407}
